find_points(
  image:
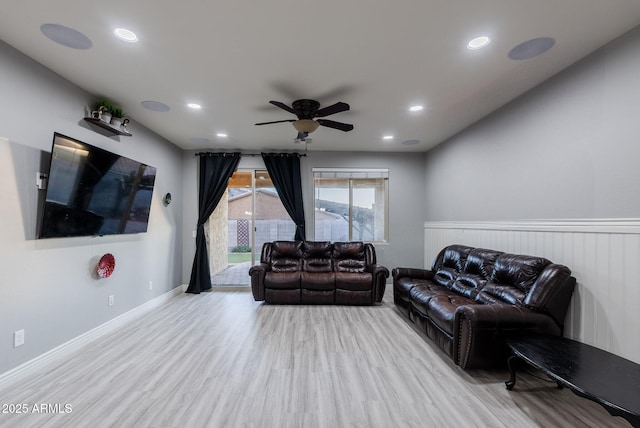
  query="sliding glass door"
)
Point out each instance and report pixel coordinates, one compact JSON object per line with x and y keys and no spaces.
{"x":253,"y":214}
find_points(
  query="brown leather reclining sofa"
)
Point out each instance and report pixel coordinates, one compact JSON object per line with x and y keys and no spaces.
{"x":472,"y":298}
{"x":294,"y":272}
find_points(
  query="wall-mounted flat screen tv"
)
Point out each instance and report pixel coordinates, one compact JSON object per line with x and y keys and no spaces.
{"x":93,"y":192}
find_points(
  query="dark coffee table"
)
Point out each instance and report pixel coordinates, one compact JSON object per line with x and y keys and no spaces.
{"x":607,"y":379}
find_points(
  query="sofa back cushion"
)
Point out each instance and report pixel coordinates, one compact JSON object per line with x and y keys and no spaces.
{"x":477,"y":270}
{"x":481,"y":261}
{"x":369,"y":254}
{"x":512,"y":277}
{"x":349,"y":257}
{"x":453,"y":261}
{"x":317,"y":257}
{"x":265,"y":255}
{"x":286,"y":256}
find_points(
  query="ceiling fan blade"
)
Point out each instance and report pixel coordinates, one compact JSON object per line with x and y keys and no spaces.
{"x":336,"y":125}
{"x":283,"y":106}
{"x":277,"y":121}
{"x":332,"y":109}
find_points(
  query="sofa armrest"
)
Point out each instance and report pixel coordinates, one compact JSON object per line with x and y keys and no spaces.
{"x":400,"y":272}
{"x":378,"y":270}
{"x":380,"y":275}
{"x":479,"y":332}
{"x":257,"y":273}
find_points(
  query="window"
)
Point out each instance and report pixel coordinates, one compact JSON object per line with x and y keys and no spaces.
{"x":351,"y":204}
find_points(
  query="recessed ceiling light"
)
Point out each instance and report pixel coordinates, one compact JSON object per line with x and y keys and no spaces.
{"x":416,"y":108}
{"x":388,"y":137}
{"x":478,"y":43}
{"x":66,"y":36}
{"x":221,"y":135}
{"x":126,"y":35}
{"x":155,"y":106}
{"x":194,"y":106}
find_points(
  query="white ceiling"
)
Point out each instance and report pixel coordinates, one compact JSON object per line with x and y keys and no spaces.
{"x":232,"y":57}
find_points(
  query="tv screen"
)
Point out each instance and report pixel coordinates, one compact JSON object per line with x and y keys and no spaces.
{"x":91,"y":191}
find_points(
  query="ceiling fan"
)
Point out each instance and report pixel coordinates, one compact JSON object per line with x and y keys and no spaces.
{"x":306,"y":111}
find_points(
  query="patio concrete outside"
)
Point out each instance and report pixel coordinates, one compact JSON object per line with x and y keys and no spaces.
{"x":233,"y":276}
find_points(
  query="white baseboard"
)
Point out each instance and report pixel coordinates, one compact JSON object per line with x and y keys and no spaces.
{"x":30,"y":367}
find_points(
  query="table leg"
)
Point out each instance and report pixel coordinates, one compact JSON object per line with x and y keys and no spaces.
{"x":511,"y":362}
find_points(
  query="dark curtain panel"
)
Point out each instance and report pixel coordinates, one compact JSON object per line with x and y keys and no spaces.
{"x":215,"y":171}
{"x":284,"y":170}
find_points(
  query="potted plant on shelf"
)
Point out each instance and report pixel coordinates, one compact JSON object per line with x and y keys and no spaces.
{"x":102,"y":110}
{"x":117,"y":116}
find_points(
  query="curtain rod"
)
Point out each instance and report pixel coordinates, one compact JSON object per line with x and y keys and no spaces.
{"x":247,"y":154}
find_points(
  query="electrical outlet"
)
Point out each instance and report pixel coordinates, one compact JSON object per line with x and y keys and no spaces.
{"x":18,"y":338}
{"x":195,"y":233}
{"x":150,"y":285}
{"x":111,"y":300}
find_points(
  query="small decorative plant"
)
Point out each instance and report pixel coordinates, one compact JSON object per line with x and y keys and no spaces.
{"x":105,"y":109}
{"x":103,"y":103}
{"x":117,"y":112}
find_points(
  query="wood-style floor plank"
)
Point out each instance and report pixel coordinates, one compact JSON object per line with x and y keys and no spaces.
{"x":222,"y":360}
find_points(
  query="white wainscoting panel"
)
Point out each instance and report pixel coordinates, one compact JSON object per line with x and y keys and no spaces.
{"x":603,"y":255}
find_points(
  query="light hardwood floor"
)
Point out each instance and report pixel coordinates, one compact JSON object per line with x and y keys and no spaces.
{"x":222,"y":360}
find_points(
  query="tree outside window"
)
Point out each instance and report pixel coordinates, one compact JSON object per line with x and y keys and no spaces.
{"x":350,"y":205}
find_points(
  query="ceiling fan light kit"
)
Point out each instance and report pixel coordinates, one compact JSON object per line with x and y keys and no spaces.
{"x":306,"y":125}
{"x":306,"y":111}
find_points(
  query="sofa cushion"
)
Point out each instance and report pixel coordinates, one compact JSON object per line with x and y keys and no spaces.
{"x":319,"y":249}
{"x":520,"y":271}
{"x":354,"y":281}
{"x":488,"y":299}
{"x":512,"y":277}
{"x":286,"y":256}
{"x":453,"y":261}
{"x":317,"y":257}
{"x":420,"y":295}
{"x":349,"y":256}
{"x":481,"y":261}
{"x":444,"y":276}
{"x":442,"y":310}
{"x":402,"y":286}
{"x":468,"y":284}
{"x":455,"y":256}
{"x":495,"y":293}
{"x":477,"y":269}
{"x":282,"y":280}
{"x":318,"y":280}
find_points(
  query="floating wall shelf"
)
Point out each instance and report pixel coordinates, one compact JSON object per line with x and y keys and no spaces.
{"x":108,"y":127}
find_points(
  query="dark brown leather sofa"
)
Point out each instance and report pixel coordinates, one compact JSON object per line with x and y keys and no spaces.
{"x":296,"y":272}
{"x":472,"y":298}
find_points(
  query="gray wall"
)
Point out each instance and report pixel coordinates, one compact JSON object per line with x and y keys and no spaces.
{"x":567,"y":149}
{"x":49,"y":287}
{"x":406,"y":200}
